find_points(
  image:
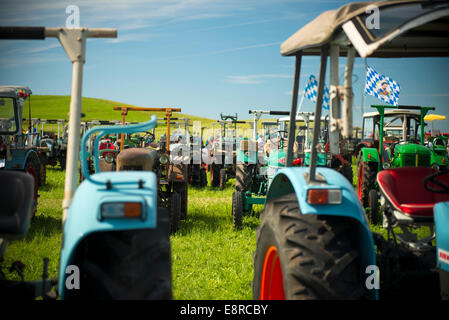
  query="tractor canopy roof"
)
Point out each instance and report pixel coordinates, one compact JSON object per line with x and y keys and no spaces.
{"x":11,"y":91}
{"x":391,"y":112}
{"x":407,"y":28}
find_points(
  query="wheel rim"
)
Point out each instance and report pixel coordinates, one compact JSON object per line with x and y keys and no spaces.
{"x":272,"y":287}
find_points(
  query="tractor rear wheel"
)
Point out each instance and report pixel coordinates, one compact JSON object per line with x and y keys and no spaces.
{"x":244,"y":176}
{"x":222,"y":179}
{"x":129,"y":264}
{"x":366,"y":174}
{"x":42,"y":174}
{"x":305,"y":256}
{"x":374,"y":207}
{"x":214,"y":175}
{"x":175,"y":212}
{"x":184,"y":202}
{"x":237,"y":209}
{"x":33,"y":168}
{"x":203,"y":178}
{"x":347,"y":172}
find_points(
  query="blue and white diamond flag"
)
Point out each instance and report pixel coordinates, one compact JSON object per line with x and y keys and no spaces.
{"x":382,"y":87}
{"x":311,"y":92}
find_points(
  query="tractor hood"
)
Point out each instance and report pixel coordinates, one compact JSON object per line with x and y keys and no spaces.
{"x":411,"y":148}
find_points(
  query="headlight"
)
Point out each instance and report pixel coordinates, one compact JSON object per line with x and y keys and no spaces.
{"x":109,"y":158}
{"x":386,"y":165}
{"x":163,"y":159}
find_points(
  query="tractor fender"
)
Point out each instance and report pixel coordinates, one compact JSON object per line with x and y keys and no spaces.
{"x":441,"y":216}
{"x":19,"y":158}
{"x":292,"y":180}
{"x":370,"y":155}
{"x":84,"y":214}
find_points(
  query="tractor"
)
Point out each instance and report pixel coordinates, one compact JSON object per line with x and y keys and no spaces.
{"x":53,"y":147}
{"x":251,"y":179}
{"x":172,"y":177}
{"x":223,"y":152}
{"x":17,"y":151}
{"x":197,"y":167}
{"x":115,"y":237}
{"x":438,"y":144}
{"x":314,"y":240}
{"x":393,"y":137}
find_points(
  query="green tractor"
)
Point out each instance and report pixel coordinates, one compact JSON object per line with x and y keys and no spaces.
{"x":438,"y":152}
{"x":392,"y":137}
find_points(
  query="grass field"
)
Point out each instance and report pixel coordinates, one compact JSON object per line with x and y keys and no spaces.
{"x":210,"y":259}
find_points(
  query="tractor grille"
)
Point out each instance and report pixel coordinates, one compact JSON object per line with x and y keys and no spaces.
{"x":409,"y":160}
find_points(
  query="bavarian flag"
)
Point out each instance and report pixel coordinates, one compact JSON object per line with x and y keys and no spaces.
{"x":311,"y":92}
{"x":382,"y":87}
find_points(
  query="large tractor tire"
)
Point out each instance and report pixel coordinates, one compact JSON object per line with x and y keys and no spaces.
{"x":214,"y":175}
{"x":244,"y":176}
{"x":222,"y":179}
{"x":203,"y":178}
{"x":366,"y":174}
{"x":305,"y":256}
{"x":347,"y":172}
{"x":62,"y":163}
{"x":42,"y":174}
{"x":175,"y":212}
{"x":184,"y":202}
{"x":374,"y":207}
{"x":130,"y":264}
{"x":32,"y":167}
{"x":237,"y":209}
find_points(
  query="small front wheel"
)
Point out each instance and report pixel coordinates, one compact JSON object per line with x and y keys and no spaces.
{"x":237,"y":209}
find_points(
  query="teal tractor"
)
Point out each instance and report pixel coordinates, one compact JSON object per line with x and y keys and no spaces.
{"x":393,"y":137}
{"x":314,"y":240}
{"x":115,"y":237}
{"x":252,"y":173}
{"x":18,"y":151}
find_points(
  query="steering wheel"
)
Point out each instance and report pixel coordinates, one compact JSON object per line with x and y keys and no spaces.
{"x":443,"y":188}
{"x":281,"y":137}
{"x":150,"y":135}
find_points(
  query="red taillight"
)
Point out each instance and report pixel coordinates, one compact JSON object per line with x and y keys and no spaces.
{"x":324,"y":196}
{"x":369,"y":155}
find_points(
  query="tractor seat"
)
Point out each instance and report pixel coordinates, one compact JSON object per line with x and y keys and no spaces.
{"x":16,"y":198}
{"x":136,"y":159}
{"x":404,"y":189}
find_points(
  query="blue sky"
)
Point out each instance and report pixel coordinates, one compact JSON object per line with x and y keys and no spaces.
{"x":204,"y":56}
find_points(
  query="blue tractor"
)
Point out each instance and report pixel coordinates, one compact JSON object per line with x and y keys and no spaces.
{"x":17,"y":150}
{"x":314,"y":240}
{"x":115,"y":238}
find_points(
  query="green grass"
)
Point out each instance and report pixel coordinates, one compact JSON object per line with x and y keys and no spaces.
{"x":210,"y":259}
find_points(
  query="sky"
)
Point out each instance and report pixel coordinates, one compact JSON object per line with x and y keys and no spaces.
{"x":205,"y":56}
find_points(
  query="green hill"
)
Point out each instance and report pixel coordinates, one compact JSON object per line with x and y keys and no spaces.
{"x":57,"y":107}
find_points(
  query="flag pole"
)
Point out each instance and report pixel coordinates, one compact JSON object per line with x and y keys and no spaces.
{"x":363,"y":89}
{"x":301,"y":101}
